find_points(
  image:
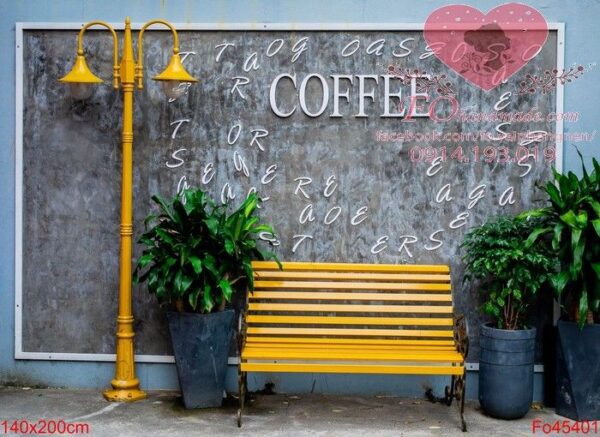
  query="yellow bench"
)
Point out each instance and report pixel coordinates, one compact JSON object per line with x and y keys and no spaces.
{"x":353,"y":318}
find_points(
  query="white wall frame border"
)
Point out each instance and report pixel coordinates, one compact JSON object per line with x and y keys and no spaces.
{"x":21,"y":27}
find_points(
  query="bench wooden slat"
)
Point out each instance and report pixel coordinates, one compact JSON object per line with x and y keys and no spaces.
{"x":325,"y":285}
{"x":327,"y":295}
{"x":353,"y":276}
{"x":320,"y":320}
{"x":404,"y":353}
{"x":351,"y":332}
{"x":339,"y":346}
{"x":354,"y":342}
{"x":421,"y":309}
{"x":352,"y":368}
{"x":350,"y":267}
{"x":345,"y":355}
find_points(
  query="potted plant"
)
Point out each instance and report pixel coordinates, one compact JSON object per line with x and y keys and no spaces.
{"x":571,"y":224}
{"x":511,"y":273}
{"x":197,"y":255}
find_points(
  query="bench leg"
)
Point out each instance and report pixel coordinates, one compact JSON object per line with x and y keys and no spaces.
{"x":449,"y":391}
{"x":242,"y":396}
{"x":460,"y":396}
{"x":462,"y":404}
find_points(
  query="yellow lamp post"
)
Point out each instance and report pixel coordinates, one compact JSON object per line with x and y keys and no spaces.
{"x":125,"y":386}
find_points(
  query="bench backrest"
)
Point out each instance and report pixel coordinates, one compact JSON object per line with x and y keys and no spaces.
{"x":351,"y":303}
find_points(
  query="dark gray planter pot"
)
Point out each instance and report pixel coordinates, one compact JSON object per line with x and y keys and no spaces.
{"x":506,"y":371}
{"x":201,"y":345}
{"x":578,"y":371}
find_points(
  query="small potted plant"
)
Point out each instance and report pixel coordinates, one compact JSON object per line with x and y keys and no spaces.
{"x":510,"y":274}
{"x":571,"y":223}
{"x":197,"y":255}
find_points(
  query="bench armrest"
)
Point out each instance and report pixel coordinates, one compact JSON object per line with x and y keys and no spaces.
{"x":241,"y":331}
{"x":461,"y":334}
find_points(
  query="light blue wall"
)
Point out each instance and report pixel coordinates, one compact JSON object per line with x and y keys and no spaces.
{"x":582,"y":18}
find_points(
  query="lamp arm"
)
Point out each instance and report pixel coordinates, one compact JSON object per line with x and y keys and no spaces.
{"x":116,"y":74}
{"x":139,"y":68}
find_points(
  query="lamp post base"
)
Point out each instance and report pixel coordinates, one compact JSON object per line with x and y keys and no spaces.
{"x":124,"y":395}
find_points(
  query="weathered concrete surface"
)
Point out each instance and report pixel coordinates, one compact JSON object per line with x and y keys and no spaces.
{"x":268,"y":415}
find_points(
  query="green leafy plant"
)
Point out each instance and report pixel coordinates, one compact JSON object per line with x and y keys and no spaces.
{"x":571,"y":224}
{"x":510,"y":271}
{"x":197,"y":254}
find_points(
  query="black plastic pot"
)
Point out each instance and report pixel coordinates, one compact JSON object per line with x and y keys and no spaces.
{"x":201,"y":346}
{"x":506,"y":371}
{"x":578,"y":371}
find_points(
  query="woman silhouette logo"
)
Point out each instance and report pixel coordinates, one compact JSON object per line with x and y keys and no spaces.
{"x":486,"y":49}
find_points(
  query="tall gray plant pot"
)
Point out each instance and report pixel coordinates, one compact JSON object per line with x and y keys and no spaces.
{"x":578,"y":371}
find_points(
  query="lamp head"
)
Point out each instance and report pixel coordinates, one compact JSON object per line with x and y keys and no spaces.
{"x":80,"y":79}
{"x":174,"y":76}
